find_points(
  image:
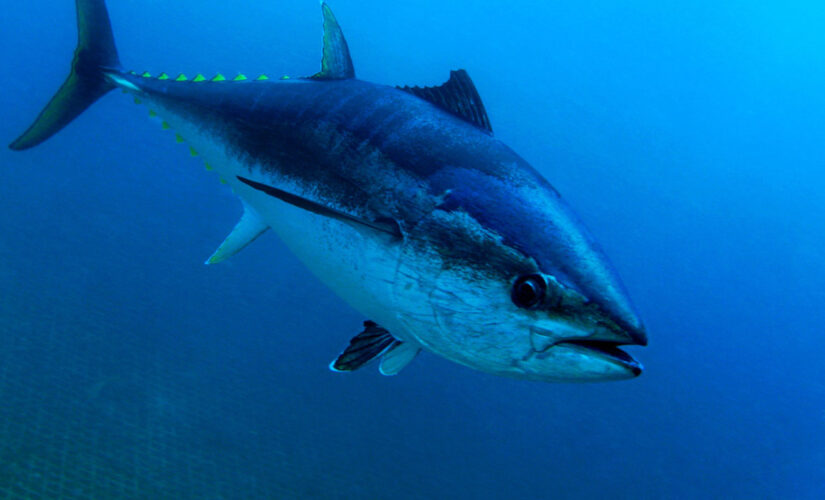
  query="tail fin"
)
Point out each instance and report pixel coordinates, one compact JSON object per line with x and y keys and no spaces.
{"x":94,"y":55}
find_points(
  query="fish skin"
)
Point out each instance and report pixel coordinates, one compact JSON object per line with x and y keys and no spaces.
{"x":381,"y":152}
{"x":398,"y":199}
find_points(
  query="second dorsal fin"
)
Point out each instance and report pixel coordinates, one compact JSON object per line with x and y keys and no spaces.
{"x":457,"y":95}
{"x":336,"y":63}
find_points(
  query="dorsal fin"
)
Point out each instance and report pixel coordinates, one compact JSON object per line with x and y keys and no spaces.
{"x":457,"y":95}
{"x":336,"y":63}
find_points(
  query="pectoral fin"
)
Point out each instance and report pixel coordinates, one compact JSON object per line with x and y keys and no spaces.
{"x":387,"y":226}
{"x":246,"y":230}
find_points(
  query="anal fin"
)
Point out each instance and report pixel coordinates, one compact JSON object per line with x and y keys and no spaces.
{"x":246,"y":230}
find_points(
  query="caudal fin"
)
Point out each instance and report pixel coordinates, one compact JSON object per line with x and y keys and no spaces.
{"x":94,"y":56}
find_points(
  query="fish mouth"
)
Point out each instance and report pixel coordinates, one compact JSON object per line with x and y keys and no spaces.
{"x":606,"y":350}
{"x":600,"y":351}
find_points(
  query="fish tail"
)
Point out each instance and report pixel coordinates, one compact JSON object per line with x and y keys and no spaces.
{"x":94,"y":57}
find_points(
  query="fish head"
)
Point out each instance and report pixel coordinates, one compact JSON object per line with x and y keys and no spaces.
{"x":503,"y":278}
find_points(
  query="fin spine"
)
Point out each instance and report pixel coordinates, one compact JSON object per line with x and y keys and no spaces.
{"x":458,"y":96}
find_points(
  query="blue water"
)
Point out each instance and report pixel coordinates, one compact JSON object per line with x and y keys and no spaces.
{"x":690,"y":137}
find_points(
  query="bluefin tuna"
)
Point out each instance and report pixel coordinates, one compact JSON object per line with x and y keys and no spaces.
{"x":400,"y":199}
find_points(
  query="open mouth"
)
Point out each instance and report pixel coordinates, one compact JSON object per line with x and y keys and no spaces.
{"x":607,"y":349}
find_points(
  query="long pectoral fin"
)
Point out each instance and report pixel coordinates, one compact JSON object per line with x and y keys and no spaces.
{"x":386,"y":226}
{"x":246,"y":230}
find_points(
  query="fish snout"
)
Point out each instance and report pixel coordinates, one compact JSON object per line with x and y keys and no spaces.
{"x":631,"y":328}
{"x":599,"y":327}
{"x":618,"y":330}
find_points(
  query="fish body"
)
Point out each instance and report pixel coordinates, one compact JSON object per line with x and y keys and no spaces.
{"x":400,"y":200}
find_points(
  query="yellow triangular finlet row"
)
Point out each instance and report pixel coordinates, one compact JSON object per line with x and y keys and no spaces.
{"x":241,"y":77}
{"x":146,"y":74}
{"x":178,"y":138}
{"x":199,"y":78}
{"x":262,"y":77}
{"x":163,"y":76}
{"x":181,"y":78}
{"x":218,"y":78}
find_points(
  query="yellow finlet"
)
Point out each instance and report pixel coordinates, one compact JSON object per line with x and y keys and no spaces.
{"x":241,"y":77}
{"x":208,"y":166}
{"x":178,"y":138}
{"x":137,"y":101}
{"x":285,"y":77}
{"x":223,"y":181}
{"x":163,"y":76}
{"x":218,"y":78}
{"x":152,"y":113}
{"x":181,"y":78}
{"x":146,"y":74}
{"x":164,"y":125}
{"x":262,"y":77}
{"x":192,"y":151}
{"x":199,"y":78}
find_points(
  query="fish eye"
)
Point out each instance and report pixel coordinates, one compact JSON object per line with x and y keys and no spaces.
{"x":528,"y":290}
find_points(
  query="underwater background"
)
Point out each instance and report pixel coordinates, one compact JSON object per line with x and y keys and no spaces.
{"x":689,"y":136}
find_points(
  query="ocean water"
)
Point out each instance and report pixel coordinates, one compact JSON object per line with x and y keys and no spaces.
{"x":689,"y":136}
